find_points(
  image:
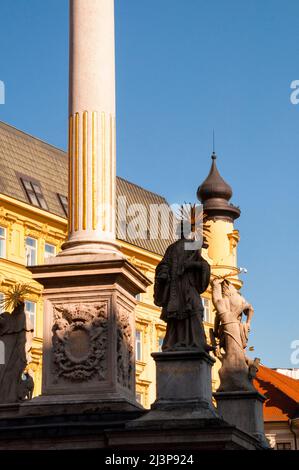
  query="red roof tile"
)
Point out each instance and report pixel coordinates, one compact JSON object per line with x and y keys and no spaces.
{"x":281,"y":392}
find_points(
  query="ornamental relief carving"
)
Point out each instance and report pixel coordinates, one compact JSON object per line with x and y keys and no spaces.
{"x":125,"y":352}
{"x":80,"y":341}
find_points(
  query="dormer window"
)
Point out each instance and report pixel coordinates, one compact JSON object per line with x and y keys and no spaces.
{"x":64,"y":203}
{"x":34,"y":193}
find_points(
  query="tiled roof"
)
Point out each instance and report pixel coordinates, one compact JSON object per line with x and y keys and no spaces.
{"x":281,"y":392}
{"x":24,"y":155}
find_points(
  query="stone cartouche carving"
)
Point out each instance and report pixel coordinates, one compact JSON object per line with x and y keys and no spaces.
{"x":181,"y":277}
{"x":125,"y":352}
{"x":16,"y":334}
{"x":237,"y":370}
{"x":80,"y":341}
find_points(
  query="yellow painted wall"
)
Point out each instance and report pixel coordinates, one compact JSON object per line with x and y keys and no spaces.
{"x":22,"y":220}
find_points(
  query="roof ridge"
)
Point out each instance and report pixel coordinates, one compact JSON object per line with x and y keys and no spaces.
{"x":284,"y":383}
{"x":143,"y":189}
{"x":48,"y":164}
{"x":20,"y":131}
{"x":284,"y":377}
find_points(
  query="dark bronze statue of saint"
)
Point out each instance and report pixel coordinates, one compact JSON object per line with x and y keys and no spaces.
{"x":181,"y":277}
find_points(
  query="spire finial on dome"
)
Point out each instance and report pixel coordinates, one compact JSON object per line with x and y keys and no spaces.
{"x":213,"y":141}
{"x":214,"y":193}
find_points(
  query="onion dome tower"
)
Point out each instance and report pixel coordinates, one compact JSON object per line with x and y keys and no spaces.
{"x":214,"y":193}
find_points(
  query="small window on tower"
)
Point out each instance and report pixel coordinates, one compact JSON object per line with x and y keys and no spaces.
{"x":34,"y":193}
{"x":64,"y":203}
{"x":139,"y":398}
{"x":207,"y":310}
{"x":138,"y":345}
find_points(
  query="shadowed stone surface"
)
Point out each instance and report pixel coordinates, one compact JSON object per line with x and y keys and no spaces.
{"x":107,"y":430}
{"x":182,"y":378}
{"x":184,"y":391}
{"x":243,"y":410}
{"x":89,"y":332}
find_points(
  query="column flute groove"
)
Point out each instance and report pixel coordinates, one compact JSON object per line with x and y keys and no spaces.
{"x":94,"y":169}
{"x":76,"y":174}
{"x":84,"y":169}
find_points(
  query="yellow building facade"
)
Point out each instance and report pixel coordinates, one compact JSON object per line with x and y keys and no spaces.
{"x":33,"y":226}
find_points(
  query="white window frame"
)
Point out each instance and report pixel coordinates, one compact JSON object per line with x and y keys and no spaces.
{"x":31,"y":315}
{"x":3,"y":242}
{"x":206,"y":310}
{"x":139,"y":397}
{"x":48,"y":255}
{"x":29,"y":250}
{"x":138,"y":345}
{"x":160,"y":342}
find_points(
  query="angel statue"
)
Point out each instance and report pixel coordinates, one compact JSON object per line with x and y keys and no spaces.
{"x":181,"y":276}
{"x":16,"y":334}
{"x":237,"y":370}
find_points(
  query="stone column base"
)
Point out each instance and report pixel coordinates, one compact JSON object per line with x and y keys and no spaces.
{"x":63,"y":405}
{"x":244,"y":410}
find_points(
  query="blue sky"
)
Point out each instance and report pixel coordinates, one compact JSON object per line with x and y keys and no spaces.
{"x":185,"y":67}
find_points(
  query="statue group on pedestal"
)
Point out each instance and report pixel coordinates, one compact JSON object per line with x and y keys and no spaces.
{"x":181,"y":277}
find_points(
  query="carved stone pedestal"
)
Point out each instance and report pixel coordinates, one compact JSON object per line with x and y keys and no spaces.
{"x":183,"y":417}
{"x":244,"y":410}
{"x":184,"y":380}
{"x":81,"y":421}
{"x":184,"y":389}
{"x":89,"y":333}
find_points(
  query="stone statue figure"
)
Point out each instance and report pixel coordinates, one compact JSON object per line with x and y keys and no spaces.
{"x":180,"y":278}
{"x":16,"y":334}
{"x":26,"y":386}
{"x":237,"y":370}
